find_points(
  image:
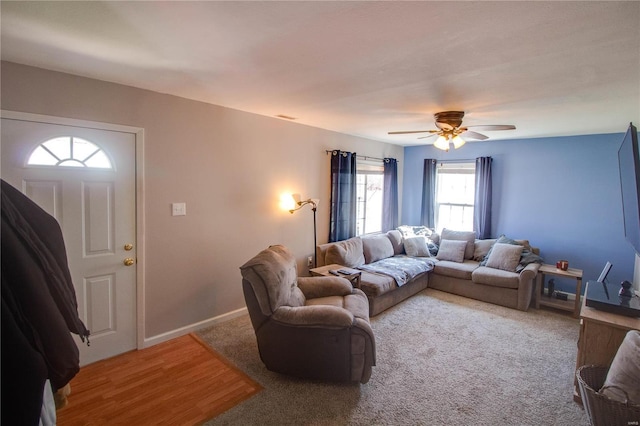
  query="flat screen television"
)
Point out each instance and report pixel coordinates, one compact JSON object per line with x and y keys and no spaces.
{"x":629,"y":162}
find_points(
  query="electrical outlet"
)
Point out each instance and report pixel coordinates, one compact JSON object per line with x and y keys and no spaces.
{"x":310,"y":262}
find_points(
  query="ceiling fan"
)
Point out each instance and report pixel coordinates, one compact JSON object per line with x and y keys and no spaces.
{"x":449,"y":130}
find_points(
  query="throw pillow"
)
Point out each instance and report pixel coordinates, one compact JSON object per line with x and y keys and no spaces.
{"x":396,"y":241}
{"x":433,"y":248}
{"x":422,"y":230}
{"x":504,"y":256}
{"x":501,"y":240}
{"x":468,"y":236}
{"x":452,"y":250}
{"x":481,"y":249}
{"x":413,"y":231}
{"x":347,"y":253}
{"x":435,"y":238}
{"x":624,"y":373}
{"x":376,"y":247}
{"x":416,"y":247}
{"x":406,"y":231}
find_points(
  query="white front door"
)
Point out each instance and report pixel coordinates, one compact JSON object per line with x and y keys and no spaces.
{"x":85,"y":178}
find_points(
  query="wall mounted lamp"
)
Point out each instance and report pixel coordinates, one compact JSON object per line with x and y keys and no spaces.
{"x":297,"y":205}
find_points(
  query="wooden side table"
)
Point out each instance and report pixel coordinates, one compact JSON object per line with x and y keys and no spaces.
{"x":601,"y":334}
{"x":566,"y":305}
{"x":354,"y":277}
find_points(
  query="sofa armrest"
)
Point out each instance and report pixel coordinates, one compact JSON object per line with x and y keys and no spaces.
{"x":529,"y":272}
{"x":314,"y":287}
{"x":525,"y":288}
{"x":317,"y":315}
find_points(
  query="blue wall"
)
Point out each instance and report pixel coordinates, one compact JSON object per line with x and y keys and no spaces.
{"x":562,"y":194}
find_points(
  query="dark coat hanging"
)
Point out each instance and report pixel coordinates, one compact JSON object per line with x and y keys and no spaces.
{"x":39,"y":308}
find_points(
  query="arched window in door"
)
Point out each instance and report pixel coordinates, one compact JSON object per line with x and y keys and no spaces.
{"x":69,"y":151}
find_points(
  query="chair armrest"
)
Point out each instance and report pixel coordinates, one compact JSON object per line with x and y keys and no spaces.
{"x":317,"y":315}
{"x":314,"y":287}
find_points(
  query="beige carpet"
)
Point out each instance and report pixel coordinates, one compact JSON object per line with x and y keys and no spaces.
{"x":441,"y":360}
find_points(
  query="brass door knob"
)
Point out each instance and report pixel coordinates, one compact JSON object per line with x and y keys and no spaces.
{"x":129,"y":261}
{"x":128,"y":247}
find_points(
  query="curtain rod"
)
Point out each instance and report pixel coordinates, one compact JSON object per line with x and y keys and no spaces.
{"x":364,"y":157}
{"x":462,"y":160}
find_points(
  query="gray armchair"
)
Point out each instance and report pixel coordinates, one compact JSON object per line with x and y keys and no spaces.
{"x":309,"y":327}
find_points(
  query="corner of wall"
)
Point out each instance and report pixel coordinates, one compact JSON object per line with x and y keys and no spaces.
{"x":636,"y":274}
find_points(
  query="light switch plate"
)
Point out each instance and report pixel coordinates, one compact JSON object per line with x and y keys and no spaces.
{"x":179,"y":209}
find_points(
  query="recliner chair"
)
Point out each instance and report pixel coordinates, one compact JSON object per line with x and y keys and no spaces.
{"x":308,"y":327}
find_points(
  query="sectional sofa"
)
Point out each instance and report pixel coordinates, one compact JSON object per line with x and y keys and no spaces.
{"x":500,"y":271}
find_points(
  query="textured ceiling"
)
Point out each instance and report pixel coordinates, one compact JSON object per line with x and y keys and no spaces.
{"x":361,"y":68}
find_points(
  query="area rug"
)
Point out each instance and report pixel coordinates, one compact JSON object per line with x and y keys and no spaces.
{"x":441,"y":360}
{"x":179,"y":382}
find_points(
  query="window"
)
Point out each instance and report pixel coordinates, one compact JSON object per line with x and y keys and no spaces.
{"x":369,"y":184}
{"x":68,"y":151}
{"x":455,"y":194}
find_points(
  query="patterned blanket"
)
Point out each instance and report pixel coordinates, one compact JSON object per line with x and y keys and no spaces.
{"x":401,"y":268}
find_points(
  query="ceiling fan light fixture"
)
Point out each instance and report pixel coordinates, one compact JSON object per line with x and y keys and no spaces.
{"x":449,"y":124}
{"x":458,"y":141}
{"x":442,"y":143}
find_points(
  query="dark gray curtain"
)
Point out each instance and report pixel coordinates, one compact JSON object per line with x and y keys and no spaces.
{"x":482,"y":207}
{"x":390,"y":195}
{"x":428,"y":193}
{"x":342,"y":220}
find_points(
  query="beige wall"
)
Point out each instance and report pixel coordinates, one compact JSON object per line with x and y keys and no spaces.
{"x":230,"y":168}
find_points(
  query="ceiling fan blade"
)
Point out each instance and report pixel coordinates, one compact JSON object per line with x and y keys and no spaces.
{"x":474,"y":135}
{"x":494,"y":127}
{"x":406,"y":132}
{"x":428,"y":137}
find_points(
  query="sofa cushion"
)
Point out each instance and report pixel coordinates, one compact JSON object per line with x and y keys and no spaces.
{"x":376,"y":247}
{"x":468,"y":236}
{"x":396,"y":241}
{"x":495,"y":277}
{"x":376,"y":284}
{"x":347,"y":253}
{"x":481,"y":248}
{"x":456,"y":270}
{"x":624,"y":373}
{"x":504,"y":256}
{"x":337,"y":301}
{"x":417,"y":247}
{"x":451,"y":250}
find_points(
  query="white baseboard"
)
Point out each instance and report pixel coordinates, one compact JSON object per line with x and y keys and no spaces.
{"x":154,"y":340}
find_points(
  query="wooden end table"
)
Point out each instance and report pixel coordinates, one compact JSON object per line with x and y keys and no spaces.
{"x":324,"y":271}
{"x":601,"y":334}
{"x":566,"y":305}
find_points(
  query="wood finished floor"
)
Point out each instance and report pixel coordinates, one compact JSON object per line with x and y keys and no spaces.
{"x":179,"y":382}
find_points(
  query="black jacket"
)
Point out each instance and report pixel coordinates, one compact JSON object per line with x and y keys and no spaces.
{"x":39,"y":308}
